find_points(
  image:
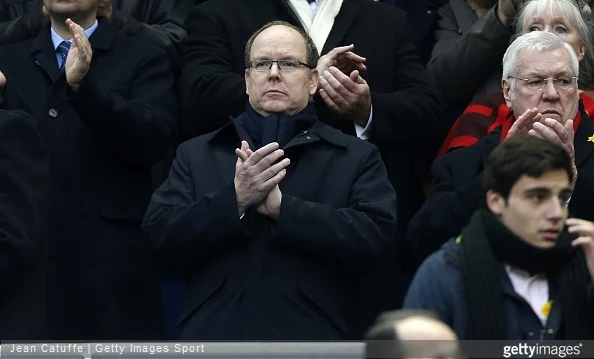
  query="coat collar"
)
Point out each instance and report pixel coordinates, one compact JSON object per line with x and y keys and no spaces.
{"x":42,"y":48}
{"x":233,"y":133}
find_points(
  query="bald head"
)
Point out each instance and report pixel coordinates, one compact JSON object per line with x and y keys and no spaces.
{"x":423,"y":328}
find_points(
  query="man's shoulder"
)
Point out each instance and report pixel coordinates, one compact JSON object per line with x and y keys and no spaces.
{"x":469,"y":154}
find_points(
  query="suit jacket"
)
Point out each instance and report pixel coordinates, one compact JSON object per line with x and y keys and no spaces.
{"x":102,"y":141}
{"x":457,"y":189}
{"x":159,"y":21}
{"x":458,"y":64}
{"x":24,"y":199}
{"x":261,"y":279}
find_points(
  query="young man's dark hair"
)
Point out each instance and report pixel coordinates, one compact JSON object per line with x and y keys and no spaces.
{"x":523,"y":155}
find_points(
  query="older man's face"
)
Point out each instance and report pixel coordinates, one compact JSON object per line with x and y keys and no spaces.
{"x":275,"y":91}
{"x":553,"y":100}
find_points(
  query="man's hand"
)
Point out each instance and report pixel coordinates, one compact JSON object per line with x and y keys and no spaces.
{"x":270,"y":207}
{"x":342,"y":58}
{"x":563,"y":135}
{"x":507,"y":10}
{"x":2,"y":83}
{"x":79,"y":57}
{"x":256,"y":174}
{"x":585,"y":230}
{"x":105,"y":9}
{"x":347,"y":96}
{"x":523,"y":124}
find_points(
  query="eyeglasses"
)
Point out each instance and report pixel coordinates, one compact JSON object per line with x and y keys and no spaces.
{"x":561,"y":83}
{"x":283,"y":65}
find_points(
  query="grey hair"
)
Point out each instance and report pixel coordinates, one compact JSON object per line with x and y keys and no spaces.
{"x":578,"y":15}
{"x":536,"y":41}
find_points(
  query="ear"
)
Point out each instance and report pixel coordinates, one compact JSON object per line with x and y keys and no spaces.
{"x":247,"y":82}
{"x":505,"y":85}
{"x":495,"y":202}
{"x":580,"y":54}
{"x":314,"y":79}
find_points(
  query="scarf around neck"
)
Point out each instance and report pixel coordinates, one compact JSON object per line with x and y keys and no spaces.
{"x":279,"y":128}
{"x":487,"y":245}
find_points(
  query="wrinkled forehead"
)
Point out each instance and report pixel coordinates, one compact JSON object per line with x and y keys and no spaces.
{"x":545,"y":63}
{"x":555,"y":11}
{"x":277,"y":41}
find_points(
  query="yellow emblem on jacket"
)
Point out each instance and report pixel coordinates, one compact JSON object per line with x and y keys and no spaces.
{"x":546,"y":308}
{"x":591,"y":138}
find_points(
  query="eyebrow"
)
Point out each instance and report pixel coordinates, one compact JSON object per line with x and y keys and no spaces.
{"x":546,"y":190}
{"x":535,"y":74}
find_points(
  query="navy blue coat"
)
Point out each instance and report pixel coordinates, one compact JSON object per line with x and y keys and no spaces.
{"x":260,"y":279}
{"x":438,"y":286}
{"x":102,"y":140}
{"x":24,"y":194}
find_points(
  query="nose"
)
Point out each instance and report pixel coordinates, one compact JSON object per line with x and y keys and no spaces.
{"x":549,"y":92}
{"x":274,"y":71}
{"x":556,"y":210}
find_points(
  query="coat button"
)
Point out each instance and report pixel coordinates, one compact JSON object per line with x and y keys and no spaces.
{"x":53,"y":113}
{"x":531,"y":334}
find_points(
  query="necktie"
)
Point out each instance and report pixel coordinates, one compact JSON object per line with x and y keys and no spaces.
{"x":313,"y":4}
{"x":62,"y":51}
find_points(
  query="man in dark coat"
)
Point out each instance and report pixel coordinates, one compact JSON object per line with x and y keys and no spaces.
{"x":158,"y":21}
{"x":554,"y":112}
{"x":106,"y":109}
{"x":272,"y":217}
{"x":520,"y":270}
{"x":24,"y":198}
{"x":376,"y":89}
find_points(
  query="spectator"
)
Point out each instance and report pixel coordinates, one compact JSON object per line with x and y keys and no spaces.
{"x":24,"y":193}
{"x":483,"y":114}
{"x":516,"y":272}
{"x":270,"y":250}
{"x":158,"y":21}
{"x":104,"y":104}
{"x":546,"y":109}
{"x":374,"y":87}
{"x":410,"y":334}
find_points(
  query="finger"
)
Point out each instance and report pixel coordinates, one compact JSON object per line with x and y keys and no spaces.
{"x":344,"y":81}
{"x":351,"y":56}
{"x":244,"y":146}
{"x":535,"y":134}
{"x":241,"y":154}
{"x":329,"y":101}
{"x":587,"y":243}
{"x":572,"y":221}
{"x":268,"y":160}
{"x":249,"y":152}
{"x":557,"y":127}
{"x":339,"y":50}
{"x":332,"y":93}
{"x":547,"y":133}
{"x":583,"y":229}
{"x":273,"y":170}
{"x":261,"y":152}
{"x":274,"y":181}
{"x":569,"y":129}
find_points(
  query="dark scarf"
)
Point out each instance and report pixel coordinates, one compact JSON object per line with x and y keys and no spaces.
{"x":279,"y":128}
{"x":487,"y":244}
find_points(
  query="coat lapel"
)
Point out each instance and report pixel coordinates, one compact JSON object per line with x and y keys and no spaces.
{"x":584,"y":140}
{"x":42,"y":50}
{"x":342,"y":24}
